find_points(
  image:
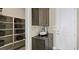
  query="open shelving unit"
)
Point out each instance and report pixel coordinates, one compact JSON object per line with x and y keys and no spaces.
{"x":12,"y":32}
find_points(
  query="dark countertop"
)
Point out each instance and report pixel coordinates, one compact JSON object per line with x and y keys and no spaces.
{"x":50,"y":35}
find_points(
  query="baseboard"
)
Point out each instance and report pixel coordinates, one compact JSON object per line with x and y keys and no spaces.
{"x":54,"y":48}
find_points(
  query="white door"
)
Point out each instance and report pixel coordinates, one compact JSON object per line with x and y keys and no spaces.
{"x":65,"y":28}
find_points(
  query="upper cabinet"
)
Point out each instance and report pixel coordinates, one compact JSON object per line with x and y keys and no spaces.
{"x":40,"y":16}
{"x":35,"y":16}
{"x":14,"y":12}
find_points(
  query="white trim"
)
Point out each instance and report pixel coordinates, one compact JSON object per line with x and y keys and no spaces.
{"x":6,"y":36}
{"x":19,"y":28}
{"x":28,"y":28}
{"x":19,"y":34}
{"x":6,"y":22}
{"x":75,"y":34}
{"x":19,"y":41}
{"x":6,"y":29}
{"x":20,"y":23}
{"x":6,"y":45}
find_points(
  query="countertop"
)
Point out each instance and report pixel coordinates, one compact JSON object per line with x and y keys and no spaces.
{"x":50,"y":35}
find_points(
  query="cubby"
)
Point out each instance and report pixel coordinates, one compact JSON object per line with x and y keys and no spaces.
{"x":12,"y":32}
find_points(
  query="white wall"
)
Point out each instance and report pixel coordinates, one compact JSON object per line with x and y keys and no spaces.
{"x":66,"y":28}
{"x":14,"y":12}
{"x":35,"y":30}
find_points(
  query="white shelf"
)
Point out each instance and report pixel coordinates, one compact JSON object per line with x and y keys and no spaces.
{"x":19,"y":41}
{"x":5,"y":22}
{"x":6,"y":45}
{"x":18,"y":23}
{"x":19,"y":28}
{"x":11,"y":43}
{"x":6,"y":29}
{"x":19,"y":34}
{"x":6,"y":36}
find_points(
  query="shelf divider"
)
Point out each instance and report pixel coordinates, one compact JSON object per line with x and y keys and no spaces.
{"x":13,"y":31}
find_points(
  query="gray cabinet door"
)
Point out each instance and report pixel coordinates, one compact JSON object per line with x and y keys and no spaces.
{"x":40,"y":16}
{"x":38,"y":44}
{"x":35,"y":16}
{"x":44,"y":16}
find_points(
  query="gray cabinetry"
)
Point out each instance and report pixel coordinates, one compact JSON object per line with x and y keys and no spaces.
{"x":42,"y":43}
{"x":35,"y":16}
{"x":40,"y":16}
{"x":12,"y":32}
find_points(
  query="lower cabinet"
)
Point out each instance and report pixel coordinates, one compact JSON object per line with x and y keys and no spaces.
{"x":38,"y":44}
{"x":42,"y":43}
